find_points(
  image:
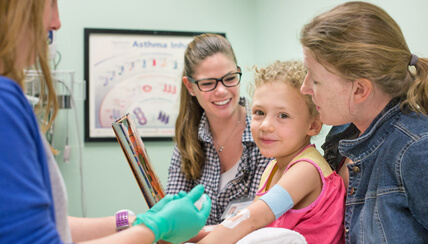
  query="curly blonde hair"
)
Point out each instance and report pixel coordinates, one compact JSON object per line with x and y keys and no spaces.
{"x":290,"y":72}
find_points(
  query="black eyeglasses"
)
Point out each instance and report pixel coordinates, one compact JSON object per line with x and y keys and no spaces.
{"x":209,"y":84}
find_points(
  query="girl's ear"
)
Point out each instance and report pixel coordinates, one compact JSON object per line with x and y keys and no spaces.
{"x":316,"y":126}
{"x":188,"y":85}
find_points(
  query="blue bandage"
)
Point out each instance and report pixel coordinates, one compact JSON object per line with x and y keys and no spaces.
{"x":278,"y":199}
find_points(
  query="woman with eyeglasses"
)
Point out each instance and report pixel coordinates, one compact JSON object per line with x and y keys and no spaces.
{"x":214,"y":143}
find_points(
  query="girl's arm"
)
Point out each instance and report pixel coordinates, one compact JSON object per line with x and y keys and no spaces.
{"x":302,"y":181}
{"x":260,"y":216}
{"x":202,"y":233}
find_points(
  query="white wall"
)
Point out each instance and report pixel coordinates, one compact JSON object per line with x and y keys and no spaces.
{"x":279,"y":23}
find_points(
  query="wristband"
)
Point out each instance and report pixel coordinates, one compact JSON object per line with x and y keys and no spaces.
{"x":122,"y":220}
{"x":278,"y":199}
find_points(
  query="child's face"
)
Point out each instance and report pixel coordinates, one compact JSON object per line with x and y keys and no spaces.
{"x":281,"y":123}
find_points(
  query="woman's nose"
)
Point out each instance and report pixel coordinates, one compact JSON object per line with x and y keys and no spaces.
{"x":220,"y":87}
{"x":305,"y":89}
{"x":55,"y":23}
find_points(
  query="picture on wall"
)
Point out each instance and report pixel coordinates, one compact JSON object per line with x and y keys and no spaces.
{"x":136,"y":72}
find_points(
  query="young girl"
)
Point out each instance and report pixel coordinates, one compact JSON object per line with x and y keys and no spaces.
{"x":298,"y":190}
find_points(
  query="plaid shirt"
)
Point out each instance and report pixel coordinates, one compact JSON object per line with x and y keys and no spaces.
{"x":245,"y":183}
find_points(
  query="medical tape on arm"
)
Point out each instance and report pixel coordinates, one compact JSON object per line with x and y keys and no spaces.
{"x":278,"y":199}
{"x":234,"y":220}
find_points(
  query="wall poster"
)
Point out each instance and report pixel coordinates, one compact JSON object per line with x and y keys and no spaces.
{"x":136,"y":72}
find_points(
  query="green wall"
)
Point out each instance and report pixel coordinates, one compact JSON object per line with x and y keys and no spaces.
{"x":260,"y":31}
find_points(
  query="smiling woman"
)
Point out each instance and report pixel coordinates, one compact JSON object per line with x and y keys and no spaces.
{"x":214,"y":143}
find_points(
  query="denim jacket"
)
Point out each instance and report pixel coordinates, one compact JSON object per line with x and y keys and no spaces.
{"x":387,"y":196}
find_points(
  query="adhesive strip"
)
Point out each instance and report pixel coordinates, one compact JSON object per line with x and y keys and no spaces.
{"x":235,"y":220}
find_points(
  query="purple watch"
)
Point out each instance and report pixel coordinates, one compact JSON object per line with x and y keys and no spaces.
{"x":122,"y":221}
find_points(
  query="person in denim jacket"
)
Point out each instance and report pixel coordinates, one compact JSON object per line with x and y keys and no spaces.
{"x":364,"y":79}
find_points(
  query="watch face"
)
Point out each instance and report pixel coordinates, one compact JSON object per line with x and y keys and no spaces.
{"x":122,"y":220}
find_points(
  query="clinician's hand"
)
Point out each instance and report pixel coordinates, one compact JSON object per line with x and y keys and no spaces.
{"x":175,"y":218}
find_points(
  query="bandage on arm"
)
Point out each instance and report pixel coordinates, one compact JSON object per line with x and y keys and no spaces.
{"x":278,"y":200}
{"x":234,"y":227}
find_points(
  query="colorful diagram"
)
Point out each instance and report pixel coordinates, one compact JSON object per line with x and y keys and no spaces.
{"x":130,"y":76}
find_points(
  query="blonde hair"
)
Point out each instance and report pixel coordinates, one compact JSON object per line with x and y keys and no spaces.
{"x":360,"y":40}
{"x":290,"y":72}
{"x":190,"y":112}
{"x":19,"y":20}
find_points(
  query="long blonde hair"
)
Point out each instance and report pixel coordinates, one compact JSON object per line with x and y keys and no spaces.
{"x":24,"y":19}
{"x":360,"y":40}
{"x":189,"y":116}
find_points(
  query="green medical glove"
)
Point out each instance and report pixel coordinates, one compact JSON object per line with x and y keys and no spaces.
{"x":175,"y":218}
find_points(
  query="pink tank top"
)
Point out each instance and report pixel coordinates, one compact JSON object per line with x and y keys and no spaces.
{"x":322,"y":221}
